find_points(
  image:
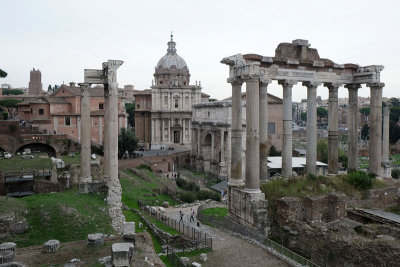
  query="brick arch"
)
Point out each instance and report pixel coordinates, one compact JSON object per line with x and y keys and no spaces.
{"x":8,"y":142}
{"x":37,"y":146}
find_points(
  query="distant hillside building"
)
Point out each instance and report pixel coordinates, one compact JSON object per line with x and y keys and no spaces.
{"x":35,"y":82}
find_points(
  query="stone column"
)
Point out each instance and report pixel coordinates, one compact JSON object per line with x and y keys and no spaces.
{"x":287,"y":146}
{"x":311,"y":152}
{"x":212,"y":146}
{"x":162,"y":131}
{"x":85,"y":133}
{"x":252,"y":182}
{"x":222,"y":146}
{"x":114,"y":187}
{"x":236,"y":178}
{"x":375,"y":130}
{"x":199,"y":154}
{"x":385,"y":138}
{"x":263,"y":100}
{"x":333,"y":149}
{"x":352,"y":144}
{"x":106,"y":145}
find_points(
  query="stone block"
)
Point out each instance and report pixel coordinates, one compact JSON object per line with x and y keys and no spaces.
{"x":185,"y":261}
{"x":6,"y":256}
{"x":165,"y":204}
{"x":196,"y":264}
{"x":121,"y":254}
{"x":128,"y":231}
{"x":12,"y":264}
{"x":8,"y":246}
{"x":51,"y":246}
{"x":203,"y":257}
{"x":95,"y":239}
{"x":140,"y":225}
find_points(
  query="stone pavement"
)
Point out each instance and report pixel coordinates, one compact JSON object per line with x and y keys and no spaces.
{"x":230,"y":250}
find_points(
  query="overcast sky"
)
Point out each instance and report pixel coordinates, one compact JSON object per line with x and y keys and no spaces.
{"x":62,"y":38}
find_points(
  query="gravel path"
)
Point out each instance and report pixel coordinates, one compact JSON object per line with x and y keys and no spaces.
{"x":230,"y":250}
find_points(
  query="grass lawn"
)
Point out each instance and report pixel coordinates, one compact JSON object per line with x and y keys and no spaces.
{"x":65,"y":216}
{"x":217,"y":212}
{"x":395,"y":210}
{"x":210,"y":181}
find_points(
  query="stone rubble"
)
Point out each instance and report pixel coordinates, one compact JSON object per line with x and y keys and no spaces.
{"x":203,"y":257}
{"x":95,"y":239}
{"x":121,"y":254}
{"x":6,"y":256}
{"x":51,"y":246}
{"x":128,"y":231}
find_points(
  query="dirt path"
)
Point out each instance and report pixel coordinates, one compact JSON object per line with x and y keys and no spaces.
{"x":229,"y":250}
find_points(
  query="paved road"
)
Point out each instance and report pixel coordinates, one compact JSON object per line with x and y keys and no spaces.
{"x":230,"y":250}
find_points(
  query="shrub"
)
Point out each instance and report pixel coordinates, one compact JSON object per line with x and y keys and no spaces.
{"x":396,"y":173}
{"x":145,"y":167}
{"x":206,"y":194}
{"x":311,"y":177}
{"x":189,"y":186}
{"x":187,"y":196}
{"x":360,"y":180}
{"x":181,"y":182}
{"x":5,"y":115}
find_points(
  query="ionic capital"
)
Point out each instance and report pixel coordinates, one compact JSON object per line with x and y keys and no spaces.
{"x":333,"y":86}
{"x":235,"y":81}
{"x":287,"y":83}
{"x":311,"y":84}
{"x":264,"y":81}
{"x":376,"y":85}
{"x":353,"y":86}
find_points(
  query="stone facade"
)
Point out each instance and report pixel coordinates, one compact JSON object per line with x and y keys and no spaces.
{"x":213,"y":121}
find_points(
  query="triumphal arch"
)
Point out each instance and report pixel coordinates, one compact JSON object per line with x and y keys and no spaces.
{"x":293,"y":63}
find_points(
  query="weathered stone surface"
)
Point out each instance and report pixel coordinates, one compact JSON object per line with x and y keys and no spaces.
{"x":128,"y":231}
{"x":96,"y":239}
{"x":196,"y":264}
{"x":105,"y":260}
{"x":8,"y":246}
{"x":19,"y":227}
{"x":12,"y":264}
{"x":185,"y":261}
{"x":121,"y":254}
{"x":51,"y":246}
{"x":165,"y":204}
{"x":6,"y":256}
{"x":140,"y":225}
{"x":203,"y":257}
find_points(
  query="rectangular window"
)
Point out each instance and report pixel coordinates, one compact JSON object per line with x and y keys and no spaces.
{"x":67,"y":121}
{"x":31,"y":111}
{"x":176,"y":103}
{"x":101,"y":106}
{"x":166,"y":100}
{"x":41,"y":111}
{"x":271,"y":127}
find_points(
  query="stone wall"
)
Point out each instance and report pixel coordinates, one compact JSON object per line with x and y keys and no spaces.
{"x":312,"y":209}
{"x":44,"y":186}
{"x":378,"y":199}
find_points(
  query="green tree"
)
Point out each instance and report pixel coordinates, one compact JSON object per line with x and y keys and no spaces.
{"x":127,"y":141}
{"x":394,"y":102}
{"x":3,"y":74}
{"x":365,"y":132}
{"x":212,"y":100}
{"x":11,"y":106}
{"x":130,"y":109}
{"x":322,"y":150}
{"x":303,"y":116}
{"x":12,"y":92}
{"x":365,"y":111}
{"x":273,"y":152}
{"x":321,"y":112}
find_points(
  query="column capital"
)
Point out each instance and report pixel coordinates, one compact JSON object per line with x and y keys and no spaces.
{"x":264,"y":81}
{"x":353,"y":86}
{"x":235,"y":81}
{"x":287,"y":83}
{"x":333,"y":85}
{"x":85,"y":89}
{"x":311,"y":84}
{"x":376,"y":85}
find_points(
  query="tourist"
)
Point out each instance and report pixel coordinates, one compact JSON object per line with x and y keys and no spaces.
{"x":191,"y":215}
{"x":181,"y":214}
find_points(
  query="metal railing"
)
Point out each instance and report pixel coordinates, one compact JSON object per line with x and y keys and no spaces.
{"x":196,"y":235}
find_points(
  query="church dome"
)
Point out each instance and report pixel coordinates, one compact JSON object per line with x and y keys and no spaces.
{"x":171,"y":58}
{"x":171,"y":69}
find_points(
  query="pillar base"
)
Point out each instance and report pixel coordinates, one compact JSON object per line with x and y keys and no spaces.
{"x":252,"y":191}
{"x":235,"y":183}
{"x":249,"y":208}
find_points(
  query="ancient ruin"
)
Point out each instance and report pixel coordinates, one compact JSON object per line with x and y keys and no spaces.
{"x":293,"y":63}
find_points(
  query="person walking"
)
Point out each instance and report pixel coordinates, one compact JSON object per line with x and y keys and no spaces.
{"x":191,"y":215}
{"x":181,"y":214}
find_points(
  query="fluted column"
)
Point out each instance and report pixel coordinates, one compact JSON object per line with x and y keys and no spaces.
{"x":85,"y":133}
{"x":236,"y":178}
{"x":287,"y":128}
{"x":333,"y":149}
{"x":199,"y":154}
{"x":263,"y":99}
{"x":375,"y":132}
{"x":106,"y":144}
{"x":311,"y":152}
{"x":222,"y":146}
{"x":252,"y":181}
{"x":113,"y":132}
{"x":352,"y":144}
{"x":385,"y":132}
{"x":212,"y":145}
